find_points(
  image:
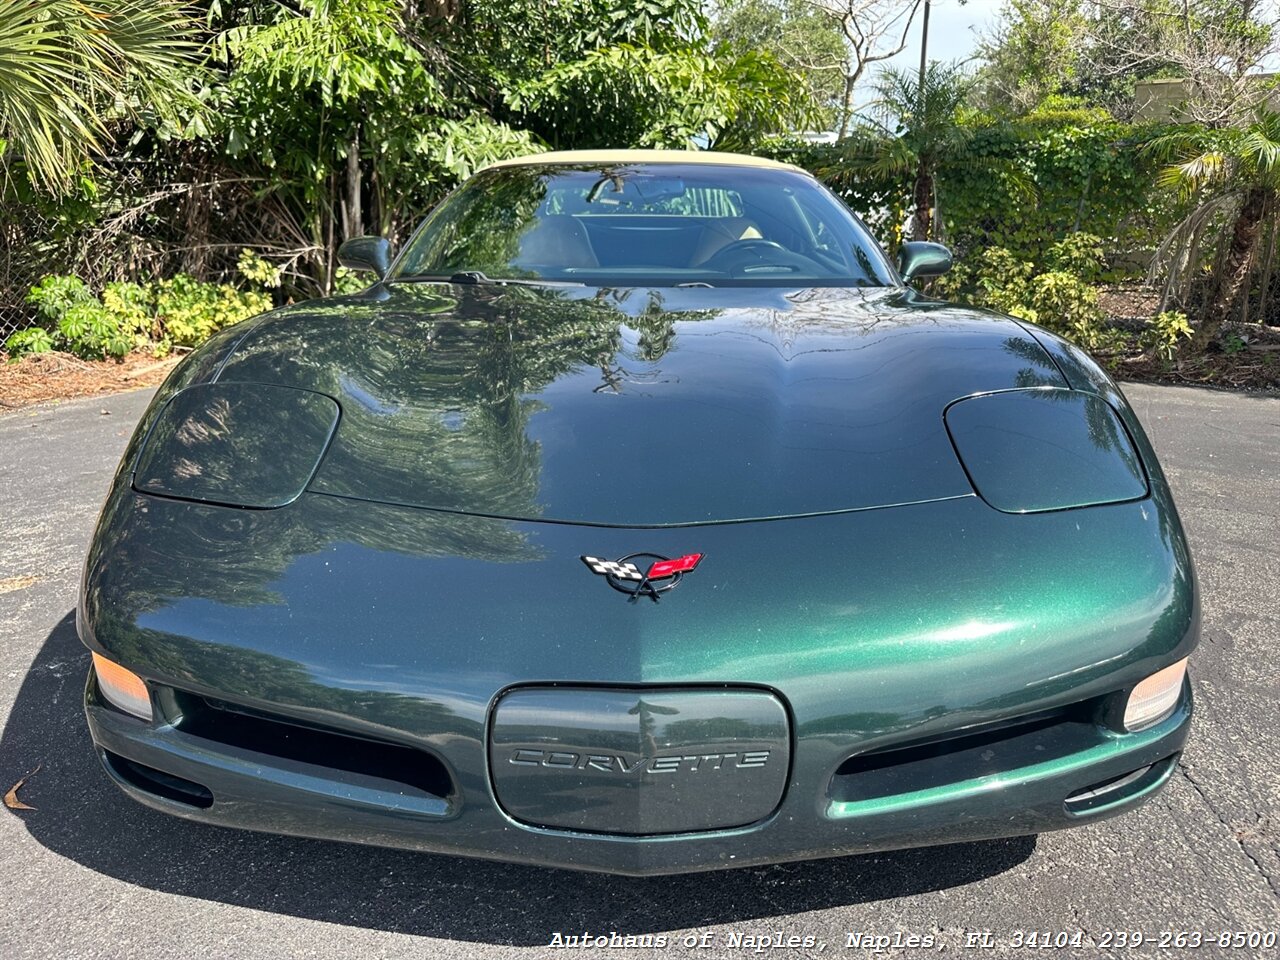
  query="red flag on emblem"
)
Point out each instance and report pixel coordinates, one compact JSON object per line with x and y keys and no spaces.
{"x":669,"y":568}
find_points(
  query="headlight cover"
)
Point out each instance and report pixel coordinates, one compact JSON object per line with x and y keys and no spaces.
{"x":236,"y":444}
{"x":1040,"y":449}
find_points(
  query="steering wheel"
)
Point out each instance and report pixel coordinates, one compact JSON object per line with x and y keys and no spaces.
{"x":756,"y":254}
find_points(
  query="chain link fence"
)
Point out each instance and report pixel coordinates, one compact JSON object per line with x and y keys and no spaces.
{"x":144,"y":222}
{"x":27,"y":253}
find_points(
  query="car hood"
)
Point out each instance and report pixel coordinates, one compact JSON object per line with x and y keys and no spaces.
{"x":639,"y":407}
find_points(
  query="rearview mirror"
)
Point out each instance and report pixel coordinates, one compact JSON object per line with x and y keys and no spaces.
{"x":635,"y":189}
{"x":366,"y":253}
{"x":921,"y":259}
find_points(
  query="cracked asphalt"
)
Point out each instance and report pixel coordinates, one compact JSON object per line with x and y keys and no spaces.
{"x":88,"y":873}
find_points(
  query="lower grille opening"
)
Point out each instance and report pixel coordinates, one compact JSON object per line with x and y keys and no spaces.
{"x":297,"y":742}
{"x":967,"y":755}
{"x":162,"y":784}
{"x":1113,"y":790}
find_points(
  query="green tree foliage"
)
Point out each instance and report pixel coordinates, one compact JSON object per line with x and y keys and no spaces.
{"x":1033,"y":53}
{"x":69,"y":67}
{"x":316,"y":120}
{"x":915,"y":127}
{"x":805,"y":40}
{"x":338,"y":107}
{"x":1019,"y":184}
{"x":646,"y":75}
{"x":505,"y":44}
{"x":652,"y":98}
{"x":1097,"y":52}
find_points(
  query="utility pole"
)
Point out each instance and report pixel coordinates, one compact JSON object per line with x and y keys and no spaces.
{"x":924,"y":49}
{"x":922,"y":219}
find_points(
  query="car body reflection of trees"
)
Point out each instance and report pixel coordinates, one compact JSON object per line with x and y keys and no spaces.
{"x":439,"y":387}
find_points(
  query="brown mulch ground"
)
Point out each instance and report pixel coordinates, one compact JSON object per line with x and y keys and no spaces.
{"x":60,"y":376}
{"x":1256,"y":372}
{"x":1246,"y":358}
{"x":1126,"y":301}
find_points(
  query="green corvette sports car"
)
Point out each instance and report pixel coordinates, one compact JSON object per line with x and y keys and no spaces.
{"x":639,"y":517}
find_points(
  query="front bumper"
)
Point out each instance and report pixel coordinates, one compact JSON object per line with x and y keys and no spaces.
{"x":159,"y":764}
{"x":880,"y":635}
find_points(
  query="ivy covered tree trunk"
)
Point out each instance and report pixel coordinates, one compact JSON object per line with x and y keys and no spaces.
{"x":1234,"y":273}
{"x":922,"y":220}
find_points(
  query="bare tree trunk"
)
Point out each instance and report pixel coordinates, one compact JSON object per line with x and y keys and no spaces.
{"x":377,"y":206}
{"x":1233,"y":269}
{"x":846,"y":105}
{"x":1264,"y":295}
{"x":1189,"y":271}
{"x":352,"y":221}
{"x":922,"y":221}
{"x":330,"y":251}
{"x":447,"y":10}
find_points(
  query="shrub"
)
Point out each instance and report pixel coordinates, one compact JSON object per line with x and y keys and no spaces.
{"x":1163,"y":332}
{"x":54,"y":295}
{"x":257,"y":271}
{"x":89,"y":331}
{"x":133,"y":307}
{"x":189,"y":310}
{"x":78,"y":321}
{"x":1079,"y":254}
{"x":1020,"y":184}
{"x":31,"y":340}
{"x":1002,"y":282}
{"x":1065,"y":304}
{"x":181,"y":311}
{"x":349,"y":281}
{"x":1058,"y":299}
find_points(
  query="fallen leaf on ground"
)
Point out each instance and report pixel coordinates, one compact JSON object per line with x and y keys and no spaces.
{"x":11,"y":798}
{"x":10,"y":584}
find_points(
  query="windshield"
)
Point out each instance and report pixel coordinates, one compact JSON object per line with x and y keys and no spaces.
{"x":645,"y":224}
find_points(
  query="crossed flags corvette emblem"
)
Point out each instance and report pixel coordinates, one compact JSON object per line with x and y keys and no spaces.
{"x":625,"y":576}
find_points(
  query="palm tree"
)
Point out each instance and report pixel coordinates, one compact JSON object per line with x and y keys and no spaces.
{"x":1238,"y":169}
{"x":911,"y":128}
{"x":66,"y":65}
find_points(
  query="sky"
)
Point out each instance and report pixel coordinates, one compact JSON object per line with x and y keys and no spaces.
{"x":953,"y":30}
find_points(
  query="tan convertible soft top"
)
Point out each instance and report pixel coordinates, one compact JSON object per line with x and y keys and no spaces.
{"x":645,"y":156}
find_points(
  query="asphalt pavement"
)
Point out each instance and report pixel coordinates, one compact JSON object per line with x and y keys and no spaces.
{"x":89,"y":873}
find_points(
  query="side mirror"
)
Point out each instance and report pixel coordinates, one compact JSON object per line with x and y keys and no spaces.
{"x":366,"y":253}
{"x":917,"y":259}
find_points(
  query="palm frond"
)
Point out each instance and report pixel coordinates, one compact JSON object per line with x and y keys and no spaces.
{"x":869,"y":151}
{"x":1194,"y":172}
{"x":1168,"y":147}
{"x":923,"y":111}
{"x":66,"y":65}
{"x":1260,"y":143}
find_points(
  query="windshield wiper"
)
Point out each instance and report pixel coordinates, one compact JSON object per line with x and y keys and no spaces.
{"x":478,"y":277}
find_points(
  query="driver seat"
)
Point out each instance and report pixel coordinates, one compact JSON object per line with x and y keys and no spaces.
{"x":556,"y":240}
{"x":721,"y":232}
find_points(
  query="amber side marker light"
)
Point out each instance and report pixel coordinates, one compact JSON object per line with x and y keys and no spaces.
{"x":121,"y":688}
{"x":1155,"y":697}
